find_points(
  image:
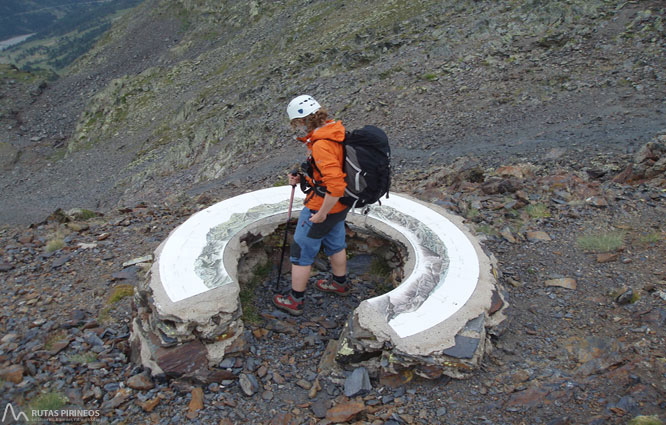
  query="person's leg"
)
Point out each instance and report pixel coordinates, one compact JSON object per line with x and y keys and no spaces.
{"x":303,"y":251}
{"x":335,"y":247}
{"x":299,"y":277}
{"x":339,"y":263}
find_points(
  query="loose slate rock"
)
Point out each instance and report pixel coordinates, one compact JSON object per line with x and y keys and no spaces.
{"x":140,"y":382}
{"x":345,"y":412}
{"x":358,"y":382}
{"x":5,"y":267}
{"x":565,"y":282}
{"x":12,"y":373}
{"x":304,"y":384}
{"x":144,"y":259}
{"x":607,"y":257}
{"x":538,"y":236}
{"x":196,"y":403}
{"x":319,"y":408}
{"x":248,"y":384}
{"x":130,"y":273}
{"x":464,"y":349}
{"x":60,"y":261}
{"x":121,"y":397}
{"x":149,"y":405}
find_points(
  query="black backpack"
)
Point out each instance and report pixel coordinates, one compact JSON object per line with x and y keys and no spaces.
{"x":367,"y":165}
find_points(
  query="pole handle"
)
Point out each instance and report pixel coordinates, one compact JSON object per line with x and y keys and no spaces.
{"x":295,"y":172}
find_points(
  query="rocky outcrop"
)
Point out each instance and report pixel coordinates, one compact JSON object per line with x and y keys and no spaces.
{"x":649,"y":163}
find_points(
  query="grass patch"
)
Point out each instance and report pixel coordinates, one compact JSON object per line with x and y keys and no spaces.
{"x":486,"y":229}
{"x":472,"y":213}
{"x":537,"y":211}
{"x":87,"y":214}
{"x":650,"y":238}
{"x":247,"y":294}
{"x":58,"y":155}
{"x":104,"y":316}
{"x":380,"y":267}
{"x":56,"y":240}
{"x":55,"y":244}
{"x":645,"y":420}
{"x":601,"y":242}
{"x":51,"y":400}
{"x":282,"y":181}
{"x":119,"y":292}
{"x":83,"y":358}
{"x":430,"y":77}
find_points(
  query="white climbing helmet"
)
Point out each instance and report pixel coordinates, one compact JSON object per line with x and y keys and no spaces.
{"x":302,"y":106}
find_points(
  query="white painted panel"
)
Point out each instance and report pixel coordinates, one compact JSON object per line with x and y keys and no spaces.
{"x":452,"y":292}
{"x":185,"y":244}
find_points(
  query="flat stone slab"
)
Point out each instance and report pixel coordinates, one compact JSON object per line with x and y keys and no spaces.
{"x":448,"y":280}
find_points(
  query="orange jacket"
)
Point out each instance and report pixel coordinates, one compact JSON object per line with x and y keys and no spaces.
{"x":325,"y":148}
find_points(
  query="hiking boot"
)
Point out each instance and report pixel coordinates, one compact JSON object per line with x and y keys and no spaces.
{"x":330,"y":285}
{"x":288,"y":304}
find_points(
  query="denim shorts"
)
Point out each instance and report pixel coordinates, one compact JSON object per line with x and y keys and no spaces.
{"x":309,"y":237}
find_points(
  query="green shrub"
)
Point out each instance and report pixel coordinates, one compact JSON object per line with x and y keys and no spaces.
{"x":601,"y":242}
{"x":537,"y":211}
{"x":379,"y":267}
{"x":119,"y":292}
{"x":51,"y":400}
{"x":645,"y":420}
{"x":486,"y":229}
{"x":650,"y":238}
{"x":83,"y":358}
{"x":87,"y":214}
{"x":104,"y":315}
{"x":248,"y":291}
{"x":55,"y":244}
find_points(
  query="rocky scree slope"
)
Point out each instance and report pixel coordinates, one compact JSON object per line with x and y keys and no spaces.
{"x":184,"y":97}
{"x":579,"y":250}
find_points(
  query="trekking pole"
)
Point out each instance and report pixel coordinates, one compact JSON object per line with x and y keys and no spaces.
{"x":286,"y":231}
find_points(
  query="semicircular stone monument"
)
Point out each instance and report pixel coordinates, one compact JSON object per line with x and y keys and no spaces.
{"x":437,"y":321}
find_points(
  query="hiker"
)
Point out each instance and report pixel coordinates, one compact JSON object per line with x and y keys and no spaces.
{"x":322,"y":220}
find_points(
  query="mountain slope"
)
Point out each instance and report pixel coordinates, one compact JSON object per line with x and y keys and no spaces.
{"x":187,"y":96}
{"x":60,"y":30}
{"x":49,"y":17}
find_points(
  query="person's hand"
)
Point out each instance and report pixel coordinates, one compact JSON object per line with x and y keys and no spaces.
{"x":318,"y":218}
{"x":294,"y":179}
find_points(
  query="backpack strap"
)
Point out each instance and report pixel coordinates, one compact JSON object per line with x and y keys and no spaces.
{"x":309,"y":167}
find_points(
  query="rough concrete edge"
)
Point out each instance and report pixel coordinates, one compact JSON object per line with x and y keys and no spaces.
{"x":217,"y":350}
{"x":235,"y":249}
{"x":442,"y":335}
{"x":198,"y":308}
{"x":145,"y":353}
{"x":500,"y":316}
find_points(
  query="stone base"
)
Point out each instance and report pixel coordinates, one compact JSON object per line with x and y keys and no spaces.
{"x":189,"y":360}
{"x":436,"y":322}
